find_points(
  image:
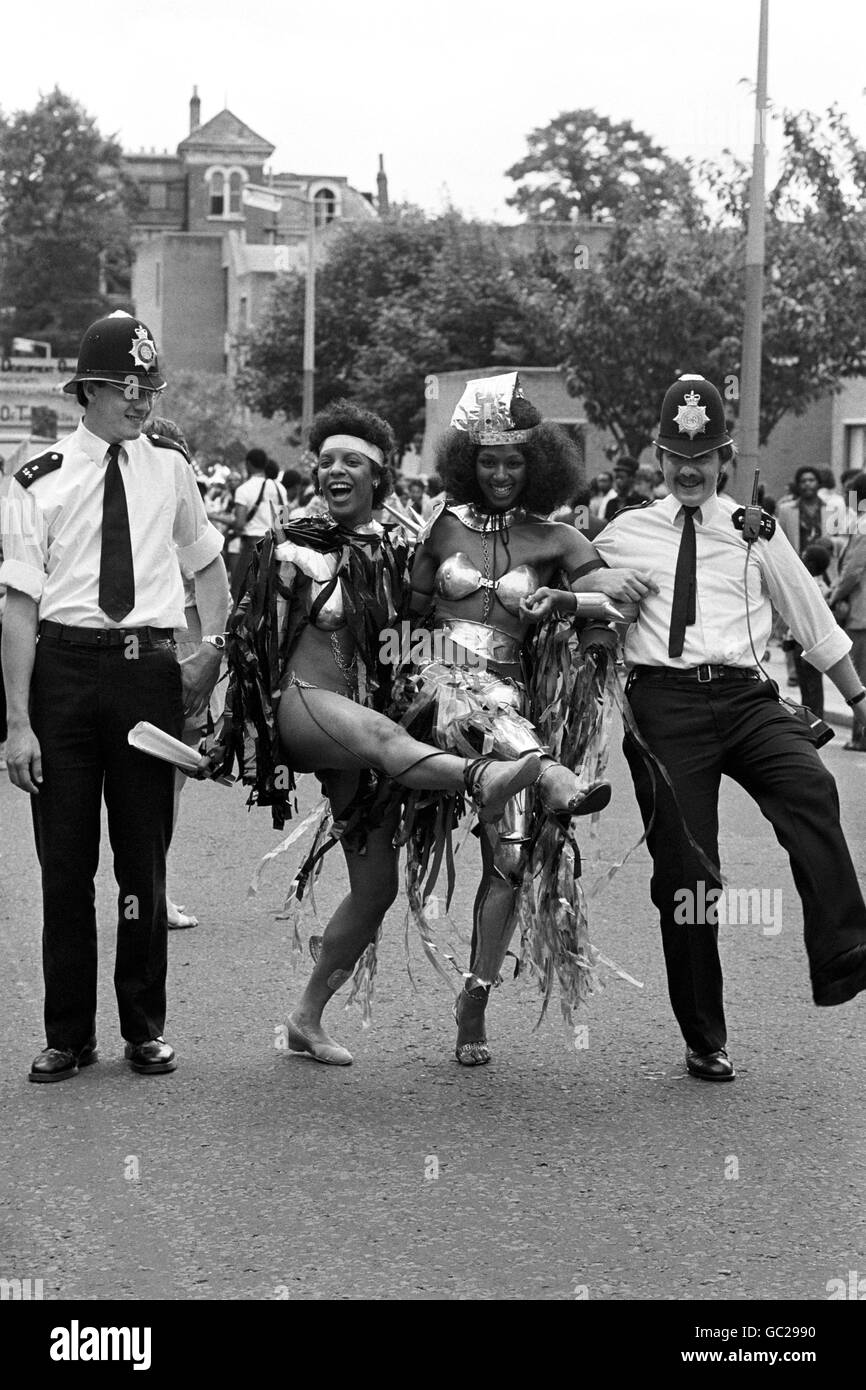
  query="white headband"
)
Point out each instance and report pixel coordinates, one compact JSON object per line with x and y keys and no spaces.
{"x":357,"y":446}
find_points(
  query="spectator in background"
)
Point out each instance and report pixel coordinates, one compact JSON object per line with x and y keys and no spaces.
{"x":816,"y":558}
{"x":581,"y":516}
{"x":435,"y":489}
{"x":601,"y":491}
{"x":293,"y":483}
{"x":848,"y":596}
{"x":624,"y":471}
{"x":827,"y":481}
{"x":806,"y":517}
{"x":253,"y":504}
{"x":419,"y":502}
{"x":645,"y":481}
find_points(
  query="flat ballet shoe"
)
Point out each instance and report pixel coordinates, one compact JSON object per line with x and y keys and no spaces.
{"x":331,"y":1053}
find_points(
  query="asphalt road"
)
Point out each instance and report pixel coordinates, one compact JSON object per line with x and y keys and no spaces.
{"x":598,"y":1172}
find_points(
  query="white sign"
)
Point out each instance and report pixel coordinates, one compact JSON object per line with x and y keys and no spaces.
{"x":255,"y":196}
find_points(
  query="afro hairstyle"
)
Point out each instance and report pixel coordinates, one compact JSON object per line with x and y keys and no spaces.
{"x":553,"y":467}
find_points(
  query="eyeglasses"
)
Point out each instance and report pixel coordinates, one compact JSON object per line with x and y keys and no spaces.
{"x":131,"y":390}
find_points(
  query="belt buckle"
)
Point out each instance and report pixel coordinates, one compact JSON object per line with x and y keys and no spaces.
{"x":705,"y":679}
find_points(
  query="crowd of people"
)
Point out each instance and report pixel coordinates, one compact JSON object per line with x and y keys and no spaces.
{"x":131,"y":577}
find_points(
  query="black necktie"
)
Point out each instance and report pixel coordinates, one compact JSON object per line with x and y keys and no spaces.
{"x":116,"y":574}
{"x":685,"y":585}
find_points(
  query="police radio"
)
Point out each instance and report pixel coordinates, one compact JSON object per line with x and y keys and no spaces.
{"x":751,"y":520}
{"x":752,"y":516}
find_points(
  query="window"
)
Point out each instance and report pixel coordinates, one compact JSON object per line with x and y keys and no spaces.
{"x":158,"y":196}
{"x":855,"y":454}
{"x":235,"y":189}
{"x":244,"y":312}
{"x":217,"y":193}
{"x":326,"y":207}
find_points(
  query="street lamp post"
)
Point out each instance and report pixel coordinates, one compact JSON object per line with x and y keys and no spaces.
{"x":270,"y":199}
{"x":750,"y":368}
{"x":309,"y":327}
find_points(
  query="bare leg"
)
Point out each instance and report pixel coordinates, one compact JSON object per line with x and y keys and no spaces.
{"x":322,"y":730}
{"x":373,"y":884}
{"x":494,"y":923}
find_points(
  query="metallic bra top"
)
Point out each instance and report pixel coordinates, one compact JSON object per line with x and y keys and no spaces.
{"x":457,"y":577}
{"x":321,"y":568}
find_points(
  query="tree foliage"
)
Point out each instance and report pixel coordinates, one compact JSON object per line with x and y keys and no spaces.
{"x":397,"y":300}
{"x":208,"y":412}
{"x":585,"y":165}
{"x":668,"y":296}
{"x":64,"y":222}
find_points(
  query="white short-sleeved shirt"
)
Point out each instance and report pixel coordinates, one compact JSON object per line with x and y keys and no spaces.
{"x":52,"y":532}
{"x":274,"y":496}
{"x":648,"y":539}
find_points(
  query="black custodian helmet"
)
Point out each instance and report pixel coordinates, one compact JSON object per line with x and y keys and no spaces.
{"x":117,"y":348}
{"x":693,"y":419}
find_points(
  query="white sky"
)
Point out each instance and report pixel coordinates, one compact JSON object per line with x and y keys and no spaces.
{"x":448,"y":91}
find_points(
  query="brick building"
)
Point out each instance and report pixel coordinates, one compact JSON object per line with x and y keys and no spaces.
{"x":216,"y":227}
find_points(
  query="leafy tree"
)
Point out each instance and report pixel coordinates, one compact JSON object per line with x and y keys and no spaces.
{"x":669,"y":297}
{"x":64,"y":222}
{"x":396,"y":300}
{"x":586,"y":165}
{"x":664,"y":300}
{"x":209,"y":413}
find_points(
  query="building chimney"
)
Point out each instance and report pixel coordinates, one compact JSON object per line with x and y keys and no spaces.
{"x":194,"y":111}
{"x":382,"y":187}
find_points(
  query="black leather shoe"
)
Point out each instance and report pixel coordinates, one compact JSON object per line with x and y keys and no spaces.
{"x":59,"y":1063}
{"x":710,"y":1066}
{"x":151,"y":1058}
{"x":848,"y":977}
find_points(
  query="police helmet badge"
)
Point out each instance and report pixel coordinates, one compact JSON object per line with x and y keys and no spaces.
{"x":143,"y":350}
{"x":691,"y":418}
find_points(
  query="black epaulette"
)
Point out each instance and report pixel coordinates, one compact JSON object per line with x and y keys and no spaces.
{"x":768,"y":523}
{"x":37,"y":468}
{"x":634,"y":507}
{"x":162,"y":441}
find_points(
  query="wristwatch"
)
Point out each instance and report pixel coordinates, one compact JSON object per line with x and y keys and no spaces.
{"x":855,"y":699}
{"x":218,"y":641}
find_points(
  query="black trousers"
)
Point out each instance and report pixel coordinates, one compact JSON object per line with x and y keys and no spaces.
{"x":84,"y":701}
{"x":740,"y":730}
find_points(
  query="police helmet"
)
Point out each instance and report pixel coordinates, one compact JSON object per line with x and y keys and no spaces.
{"x":117,"y":348}
{"x":693,"y":419}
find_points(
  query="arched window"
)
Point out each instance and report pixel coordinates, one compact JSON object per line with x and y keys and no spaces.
{"x":236,"y":184}
{"x":326,"y":206}
{"x":217,"y":193}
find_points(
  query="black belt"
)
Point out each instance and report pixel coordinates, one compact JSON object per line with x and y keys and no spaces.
{"x":700,"y":674}
{"x":105,"y":636}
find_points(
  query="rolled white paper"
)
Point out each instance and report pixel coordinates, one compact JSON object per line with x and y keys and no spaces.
{"x":147,"y":738}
